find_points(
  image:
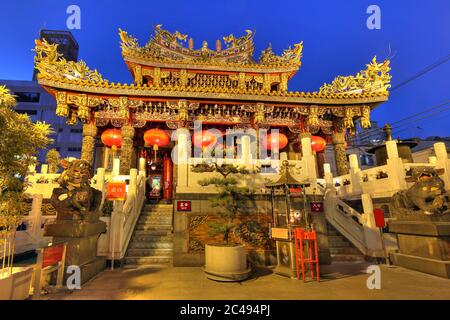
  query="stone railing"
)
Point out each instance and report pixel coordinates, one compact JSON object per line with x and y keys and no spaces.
{"x":120,"y":226}
{"x":381,"y":181}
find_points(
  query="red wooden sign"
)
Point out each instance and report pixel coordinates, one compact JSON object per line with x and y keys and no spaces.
{"x":379,"y":217}
{"x":295,"y":190}
{"x":52,"y":255}
{"x":184,"y":205}
{"x":116,"y":190}
{"x":316,"y":206}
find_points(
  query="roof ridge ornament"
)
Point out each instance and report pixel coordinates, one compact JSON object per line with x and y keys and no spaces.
{"x":289,"y":56}
{"x":51,"y":64}
{"x":375,"y":78}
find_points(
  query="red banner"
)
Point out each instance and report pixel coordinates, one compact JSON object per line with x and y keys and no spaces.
{"x":52,"y":255}
{"x":116,"y":190}
{"x":379,"y":217}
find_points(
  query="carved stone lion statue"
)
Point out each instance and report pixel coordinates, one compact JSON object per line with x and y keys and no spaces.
{"x":427,"y":195}
{"x":75,"y":199}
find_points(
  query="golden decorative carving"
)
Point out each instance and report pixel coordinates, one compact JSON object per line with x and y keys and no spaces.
{"x":375,"y":78}
{"x":289,"y":56}
{"x":88,"y":144}
{"x":365,"y":118}
{"x":62,"y":108}
{"x":313,"y":118}
{"x":284,"y":82}
{"x":259,"y":113}
{"x":138,"y":75}
{"x":51,"y":64}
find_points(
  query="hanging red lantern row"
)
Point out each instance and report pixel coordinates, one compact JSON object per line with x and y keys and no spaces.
{"x":272,"y":140}
{"x":157,"y":138}
{"x":203,"y":139}
{"x":318,"y":143}
{"x":112,"y":138}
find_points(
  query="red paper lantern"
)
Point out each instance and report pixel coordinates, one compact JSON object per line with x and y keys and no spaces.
{"x":272,"y":140}
{"x":318,"y":143}
{"x":156,"y":137}
{"x":205,"y":138}
{"x":112,"y":137}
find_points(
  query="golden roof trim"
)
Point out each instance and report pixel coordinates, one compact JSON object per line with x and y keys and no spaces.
{"x":288,"y":97}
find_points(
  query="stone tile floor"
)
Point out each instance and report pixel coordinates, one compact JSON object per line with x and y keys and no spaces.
{"x":339,"y":281}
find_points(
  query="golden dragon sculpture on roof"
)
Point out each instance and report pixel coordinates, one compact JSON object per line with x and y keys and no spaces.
{"x":51,"y":64}
{"x":375,"y":78}
{"x":289,"y":55}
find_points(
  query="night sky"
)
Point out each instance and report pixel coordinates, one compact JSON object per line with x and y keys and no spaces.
{"x":336,"y":41}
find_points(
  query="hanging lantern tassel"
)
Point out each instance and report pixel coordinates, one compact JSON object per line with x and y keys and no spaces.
{"x":155,"y":148}
{"x":114,"y":150}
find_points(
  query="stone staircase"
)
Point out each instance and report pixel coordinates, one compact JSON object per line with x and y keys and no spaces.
{"x":152,"y":242}
{"x":341,"y":249}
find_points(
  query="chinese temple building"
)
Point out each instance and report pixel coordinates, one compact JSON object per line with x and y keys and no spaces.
{"x":176,"y":84}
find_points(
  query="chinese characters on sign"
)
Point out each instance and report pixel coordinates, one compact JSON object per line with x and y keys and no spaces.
{"x":184,"y":205}
{"x":316,"y":206}
{"x":116,"y":190}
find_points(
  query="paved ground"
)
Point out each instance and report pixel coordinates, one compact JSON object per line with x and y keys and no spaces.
{"x":340,"y":281}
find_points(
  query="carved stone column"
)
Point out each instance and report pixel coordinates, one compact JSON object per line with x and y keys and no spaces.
{"x":340,"y":155}
{"x":88,"y":145}
{"x":126,"y":149}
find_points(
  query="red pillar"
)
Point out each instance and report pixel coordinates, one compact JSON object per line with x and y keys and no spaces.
{"x":168,"y":178}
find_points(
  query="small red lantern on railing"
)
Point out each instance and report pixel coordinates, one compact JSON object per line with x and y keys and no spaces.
{"x":203,"y":139}
{"x":273,"y":140}
{"x":157,"y":138}
{"x":318,"y":143}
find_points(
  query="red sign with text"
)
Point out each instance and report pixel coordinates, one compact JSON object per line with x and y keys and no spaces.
{"x":184,"y":205}
{"x":316,"y":206}
{"x":116,"y":190}
{"x":52,"y":255}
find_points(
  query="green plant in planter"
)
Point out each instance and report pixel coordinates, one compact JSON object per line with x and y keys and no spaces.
{"x":53,"y":159}
{"x":20,"y":141}
{"x":232,"y":200}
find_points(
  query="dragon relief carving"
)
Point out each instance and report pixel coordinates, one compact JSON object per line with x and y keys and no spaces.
{"x":289,"y":55}
{"x":51,"y":64}
{"x":375,"y":78}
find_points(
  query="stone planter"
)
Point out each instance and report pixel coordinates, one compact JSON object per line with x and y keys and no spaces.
{"x":226,"y":263}
{"x":16,"y":286}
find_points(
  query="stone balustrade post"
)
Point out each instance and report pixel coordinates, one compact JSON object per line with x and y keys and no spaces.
{"x":308,"y":158}
{"x":396,"y":169}
{"x":442,"y":161}
{"x":372,"y":233}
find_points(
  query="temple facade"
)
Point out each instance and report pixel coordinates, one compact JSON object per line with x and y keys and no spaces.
{"x":178,"y":87}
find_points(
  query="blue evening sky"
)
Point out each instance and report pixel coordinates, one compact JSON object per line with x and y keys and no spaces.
{"x":336,"y":40}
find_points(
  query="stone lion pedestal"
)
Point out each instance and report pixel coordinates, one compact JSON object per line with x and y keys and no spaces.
{"x":78,"y":220}
{"x":424,"y":243}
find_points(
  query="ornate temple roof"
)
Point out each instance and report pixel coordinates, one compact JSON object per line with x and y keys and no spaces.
{"x":237,"y":55}
{"x":179,"y":93}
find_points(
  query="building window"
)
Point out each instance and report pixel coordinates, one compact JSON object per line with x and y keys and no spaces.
{"x":366,"y":160}
{"x":74,"y":149}
{"x":76,"y":130}
{"x":60,"y":130}
{"x":28,"y":112}
{"x":27,"y":96}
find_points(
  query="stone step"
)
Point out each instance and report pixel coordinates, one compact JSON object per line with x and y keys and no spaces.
{"x":155,"y":218}
{"x":160,"y":227}
{"x":347,"y":257}
{"x":153,"y":232}
{"x":152,"y":238}
{"x":146,"y":252}
{"x":155,"y":214}
{"x":333,"y":233}
{"x":338,"y":242}
{"x":348,"y":250}
{"x":158,"y":207}
{"x":150,"y":245}
{"x":152,"y":260}
{"x":132,"y":265}
{"x":153,"y":222}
